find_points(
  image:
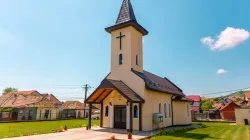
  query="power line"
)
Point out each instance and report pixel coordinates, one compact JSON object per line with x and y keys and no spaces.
{"x":227,"y":91}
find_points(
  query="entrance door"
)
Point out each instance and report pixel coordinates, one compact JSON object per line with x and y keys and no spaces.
{"x":120,"y":117}
{"x":14,"y":116}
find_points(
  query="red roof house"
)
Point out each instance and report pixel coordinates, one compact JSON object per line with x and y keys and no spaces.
{"x":227,"y":111}
{"x":196,"y":104}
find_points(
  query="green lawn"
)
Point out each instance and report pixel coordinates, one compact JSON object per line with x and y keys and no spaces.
{"x":222,"y":131}
{"x":27,"y":128}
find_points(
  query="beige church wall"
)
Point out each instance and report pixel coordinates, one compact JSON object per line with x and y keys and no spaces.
{"x":136,"y":49}
{"x":180,"y":113}
{"x":116,"y":99}
{"x":242,"y":114}
{"x":151,"y":106}
{"x":123,"y":72}
{"x":135,"y":120}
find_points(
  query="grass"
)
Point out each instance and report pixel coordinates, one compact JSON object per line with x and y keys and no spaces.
{"x":222,"y":131}
{"x":42,"y":127}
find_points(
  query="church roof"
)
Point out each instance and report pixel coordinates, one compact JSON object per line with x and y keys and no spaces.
{"x":127,"y":18}
{"x":126,"y":13}
{"x":157,"y":83}
{"x":107,"y":86}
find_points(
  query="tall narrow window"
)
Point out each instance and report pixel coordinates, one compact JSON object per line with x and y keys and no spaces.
{"x":135,"y":111}
{"x":107,"y":111}
{"x":169,"y":110}
{"x":137,"y":60}
{"x":120,"y":59}
{"x":165,"y":110}
{"x":159,"y":107}
{"x":188,"y":110}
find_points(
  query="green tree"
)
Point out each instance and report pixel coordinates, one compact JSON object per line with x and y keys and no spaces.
{"x":206,"y":105}
{"x":9,"y":89}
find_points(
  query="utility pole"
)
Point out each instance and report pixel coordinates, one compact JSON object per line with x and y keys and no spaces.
{"x":85,"y":87}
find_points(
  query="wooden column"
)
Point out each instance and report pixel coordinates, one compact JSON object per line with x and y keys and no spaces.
{"x":101,"y":115}
{"x":140,"y":117}
{"x":90,"y":114}
{"x":131,"y":117}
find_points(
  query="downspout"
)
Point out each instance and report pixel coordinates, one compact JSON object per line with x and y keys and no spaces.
{"x":172,"y":110}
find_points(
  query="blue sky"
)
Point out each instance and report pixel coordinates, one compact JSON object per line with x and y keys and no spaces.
{"x":56,"y":46}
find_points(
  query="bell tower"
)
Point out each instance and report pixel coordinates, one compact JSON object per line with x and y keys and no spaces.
{"x":126,"y":41}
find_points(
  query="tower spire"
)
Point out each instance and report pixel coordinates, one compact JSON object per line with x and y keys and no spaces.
{"x":126,"y":18}
{"x":126,"y":13}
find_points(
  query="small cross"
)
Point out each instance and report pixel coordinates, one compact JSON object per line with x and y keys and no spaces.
{"x":121,"y":36}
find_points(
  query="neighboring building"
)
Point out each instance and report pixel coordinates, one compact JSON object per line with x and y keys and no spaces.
{"x":130,"y":97}
{"x":227,"y":111}
{"x":29,"y":105}
{"x":196,"y":104}
{"x":75,"y":109}
{"x":242,"y":116}
{"x":247,"y":97}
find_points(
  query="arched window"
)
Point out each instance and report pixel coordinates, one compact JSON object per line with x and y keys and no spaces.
{"x":135,"y":111}
{"x":159,"y":107}
{"x":165,"y":110}
{"x":120,"y":59}
{"x":107,"y":111}
{"x":136,"y":61}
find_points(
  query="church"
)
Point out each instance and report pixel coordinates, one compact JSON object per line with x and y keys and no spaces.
{"x":130,"y":97}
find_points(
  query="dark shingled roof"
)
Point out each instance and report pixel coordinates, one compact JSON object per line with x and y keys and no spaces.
{"x":157,"y":83}
{"x":126,"y":13}
{"x":126,"y":90}
{"x":127,"y":18}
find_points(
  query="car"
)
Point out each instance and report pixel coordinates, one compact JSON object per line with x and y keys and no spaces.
{"x":95,"y":116}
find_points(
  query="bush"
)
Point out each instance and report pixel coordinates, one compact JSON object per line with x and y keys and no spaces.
{"x":162,"y":132}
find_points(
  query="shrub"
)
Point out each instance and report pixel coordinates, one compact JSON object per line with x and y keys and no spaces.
{"x":162,"y":132}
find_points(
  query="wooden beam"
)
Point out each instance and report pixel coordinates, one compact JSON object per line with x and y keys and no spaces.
{"x":90,"y":114}
{"x":99,"y":95}
{"x":131,"y":118}
{"x":101,"y":115}
{"x":140,"y":116}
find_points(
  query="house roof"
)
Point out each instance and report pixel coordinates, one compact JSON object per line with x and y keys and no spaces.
{"x":196,"y":98}
{"x":24,"y":92}
{"x":107,"y":86}
{"x":247,"y":95}
{"x":76,"y":105}
{"x":127,"y":18}
{"x":154,"y":82}
{"x":27,"y":99}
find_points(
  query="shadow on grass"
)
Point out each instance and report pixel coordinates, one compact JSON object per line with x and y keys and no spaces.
{"x":188,"y":135}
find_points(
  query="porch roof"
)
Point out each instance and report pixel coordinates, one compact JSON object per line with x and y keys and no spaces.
{"x":107,"y":86}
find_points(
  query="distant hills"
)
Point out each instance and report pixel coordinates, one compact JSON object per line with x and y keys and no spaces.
{"x":239,"y":93}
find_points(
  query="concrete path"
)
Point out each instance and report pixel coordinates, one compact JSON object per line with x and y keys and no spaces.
{"x":94,"y":134}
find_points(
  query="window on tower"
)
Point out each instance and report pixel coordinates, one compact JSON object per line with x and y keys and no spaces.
{"x":136,"y":60}
{"x":120,"y":59}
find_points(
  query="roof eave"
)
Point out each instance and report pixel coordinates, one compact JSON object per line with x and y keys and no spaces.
{"x":136,"y":25}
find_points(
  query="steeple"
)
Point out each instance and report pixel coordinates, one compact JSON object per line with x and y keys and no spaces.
{"x":126,"y":13}
{"x":127,"y":18}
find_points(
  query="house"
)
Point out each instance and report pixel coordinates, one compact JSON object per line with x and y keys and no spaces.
{"x":130,"y":97}
{"x":227,"y":111}
{"x":247,"y":96}
{"x":196,"y":104}
{"x":75,"y":109}
{"x":29,"y":105}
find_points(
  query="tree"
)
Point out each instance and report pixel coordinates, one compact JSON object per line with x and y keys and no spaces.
{"x":9,"y":89}
{"x":206,"y":105}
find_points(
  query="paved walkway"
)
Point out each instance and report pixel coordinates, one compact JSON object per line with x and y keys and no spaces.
{"x":94,"y":134}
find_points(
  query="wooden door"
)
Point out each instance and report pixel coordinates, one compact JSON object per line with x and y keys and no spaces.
{"x":120,"y":117}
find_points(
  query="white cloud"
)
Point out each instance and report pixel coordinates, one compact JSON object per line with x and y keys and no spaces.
{"x":229,"y":38}
{"x":221,"y":71}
